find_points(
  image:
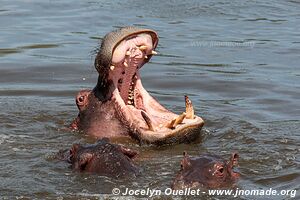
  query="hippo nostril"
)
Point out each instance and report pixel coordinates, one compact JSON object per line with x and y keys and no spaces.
{"x":120,"y":81}
{"x":123,"y":72}
{"x":221,"y":170}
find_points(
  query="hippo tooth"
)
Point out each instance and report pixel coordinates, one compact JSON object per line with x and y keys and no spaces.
{"x":125,"y":64}
{"x":153,"y":52}
{"x":171,"y":123}
{"x":176,"y":121}
{"x":146,"y":57}
{"x":147,"y":120}
{"x":112,"y":67}
{"x":128,"y":53}
{"x":190,"y":113}
{"x":179,"y":119}
{"x":143,"y":47}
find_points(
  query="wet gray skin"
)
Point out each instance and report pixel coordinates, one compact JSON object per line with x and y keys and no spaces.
{"x":206,"y":171}
{"x":119,"y":105}
{"x":102,"y":158}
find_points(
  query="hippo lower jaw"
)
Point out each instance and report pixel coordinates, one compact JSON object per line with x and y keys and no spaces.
{"x":150,"y":121}
{"x":146,"y":118}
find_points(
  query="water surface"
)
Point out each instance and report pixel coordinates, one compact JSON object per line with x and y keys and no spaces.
{"x":237,"y":60}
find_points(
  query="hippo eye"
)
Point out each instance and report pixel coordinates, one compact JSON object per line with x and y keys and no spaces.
{"x":81,"y":99}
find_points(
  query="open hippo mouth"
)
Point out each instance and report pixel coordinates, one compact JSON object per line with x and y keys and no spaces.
{"x":122,"y":53}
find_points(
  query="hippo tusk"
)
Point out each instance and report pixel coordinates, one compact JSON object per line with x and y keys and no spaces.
{"x":112,"y":67}
{"x":128,"y":53}
{"x":171,"y":123}
{"x":143,"y":47}
{"x":179,"y":119}
{"x":147,"y":120}
{"x":190,"y":113}
{"x":174,"y":122}
{"x":153,"y":52}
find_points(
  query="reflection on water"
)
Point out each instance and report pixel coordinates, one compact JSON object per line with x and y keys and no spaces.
{"x":247,"y":94}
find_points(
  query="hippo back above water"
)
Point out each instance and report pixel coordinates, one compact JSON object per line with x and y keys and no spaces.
{"x":103,"y":158}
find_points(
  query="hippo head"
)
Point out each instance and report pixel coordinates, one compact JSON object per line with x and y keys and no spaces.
{"x":208,"y":171}
{"x":102,"y":158}
{"x":120,"y":105}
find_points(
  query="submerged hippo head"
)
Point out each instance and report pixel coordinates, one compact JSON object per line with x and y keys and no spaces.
{"x":103,"y":158}
{"x":206,"y":171}
{"x":120,"y":105}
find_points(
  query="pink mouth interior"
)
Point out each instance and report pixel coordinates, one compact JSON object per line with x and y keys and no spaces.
{"x":129,"y":94}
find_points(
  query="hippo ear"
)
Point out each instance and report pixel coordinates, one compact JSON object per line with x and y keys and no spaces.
{"x":234,"y":159}
{"x":75,"y":148}
{"x":186,"y":161}
{"x":128,"y":152}
{"x":84,"y":160}
{"x":105,"y":139}
{"x":73,"y":152}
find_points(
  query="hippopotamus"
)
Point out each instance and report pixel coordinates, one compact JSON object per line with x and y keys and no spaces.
{"x":206,"y":171}
{"x":103,"y":158}
{"x":119,"y":105}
